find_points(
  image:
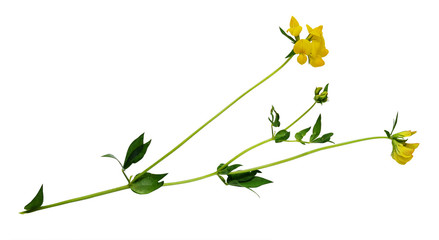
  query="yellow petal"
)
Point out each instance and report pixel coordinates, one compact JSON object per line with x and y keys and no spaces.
{"x":317,"y":32}
{"x":302,"y":46}
{"x":403,"y":134}
{"x":293,"y":22}
{"x":412,"y":145}
{"x":404,"y":151}
{"x":316,"y":61}
{"x":400,"y":159}
{"x":302,"y":59}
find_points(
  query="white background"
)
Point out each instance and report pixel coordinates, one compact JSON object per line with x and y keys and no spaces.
{"x":80,"y":79}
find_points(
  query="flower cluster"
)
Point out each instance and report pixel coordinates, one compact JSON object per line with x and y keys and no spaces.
{"x":403,"y":152}
{"x":312,"y":48}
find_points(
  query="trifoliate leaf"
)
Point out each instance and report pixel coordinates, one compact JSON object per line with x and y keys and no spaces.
{"x":136,"y":151}
{"x":323,"y":139}
{"x":281,"y":136}
{"x":316,"y":129}
{"x":274,"y":118}
{"x":299,"y":135}
{"x":144,"y":183}
{"x":227,"y":169}
{"x":37,"y":201}
{"x":286,"y":35}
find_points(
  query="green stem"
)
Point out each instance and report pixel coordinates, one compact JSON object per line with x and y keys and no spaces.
{"x":80,"y":198}
{"x":213,"y":118}
{"x":305,"y":154}
{"x":301,"y":116}
{"x":190,"y":180}
{"x":245,"y":151}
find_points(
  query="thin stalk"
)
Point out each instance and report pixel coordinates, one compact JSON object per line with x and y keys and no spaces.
{"x":305,"y":154}
{"x":301,"y":116}
{"x":79,"y":198}
{"x":214,"y":117}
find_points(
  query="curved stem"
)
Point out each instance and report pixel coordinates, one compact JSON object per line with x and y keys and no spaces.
{"x":301,"y":116}
{"x":306,"y":153}
{"x":190,"y":180}
{"x":213,"y":118}
{"x":79,"y":198}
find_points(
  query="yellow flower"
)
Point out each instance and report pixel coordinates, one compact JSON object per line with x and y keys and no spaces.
{"x":403,"y":152}
{"x":295,"y":28}
{"x":303,"y":48}
{"x":318,"y":48}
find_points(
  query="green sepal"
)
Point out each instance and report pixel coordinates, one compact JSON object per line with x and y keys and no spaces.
{"x":144,"y":183}
{"x":387,"y":133}
{"x":299,"y":135}
{"x":323,"y":139}
{"x":291,"y":54}
{"x":37,"y":201}
{"x":316,"y":129}
{"x":274,"y":118}
{"x":227,"y":169}
{"x":281,"y":136}
{"x":286,"y":35}
{"x":326,"y":88}
{"x":136,"y":151}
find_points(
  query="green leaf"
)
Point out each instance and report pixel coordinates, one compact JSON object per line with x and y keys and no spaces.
{"x":222,"y":179}
{"x":247,"y":179}
{"x":323,"y":139}
{"x":37,"y":201}
{"x":254,"y":182}
{"x":227,"y":169}
{"x":316,"y":129}
{"x":299,"y":135}
{"x":274,"y":118}
{"x":281,"y":136}
{"x":242,"y":177}
{"x":286,"y":35}
{"x":110,"y":156}
{"x":146,"y":183}
{"x":136,"y":151}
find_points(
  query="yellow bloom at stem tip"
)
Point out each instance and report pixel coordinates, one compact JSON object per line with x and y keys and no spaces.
{"x":403,"y":152}
{"x":318,"y":47}
{"x":303,"y":48}
{"x":295,"y":28}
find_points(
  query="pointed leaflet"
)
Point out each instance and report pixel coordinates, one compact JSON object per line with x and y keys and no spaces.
{"x":146,"y":183}
{"x":316,"y":129}
{"x":281,"y":136}
{"x":247,"y":180}
{"x":112,"y":156}
{"x":37,"y":201}
{"x":136,"y":151}
{"x":323,"y":139}
{"x":299,"y":135}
